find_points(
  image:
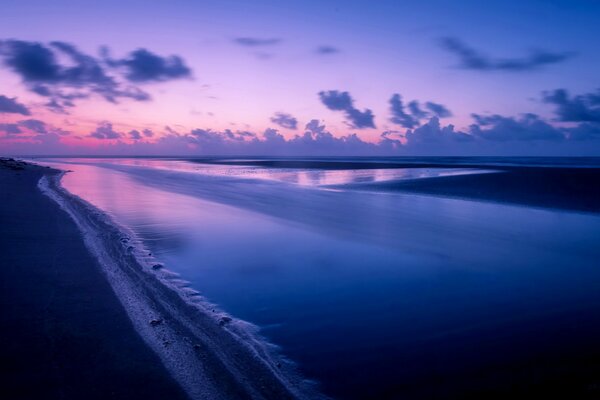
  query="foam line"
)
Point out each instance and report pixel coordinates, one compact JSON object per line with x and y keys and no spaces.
{"x":209,"y":353}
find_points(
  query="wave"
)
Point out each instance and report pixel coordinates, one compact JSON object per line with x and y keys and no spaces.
{"x":211,"y":354}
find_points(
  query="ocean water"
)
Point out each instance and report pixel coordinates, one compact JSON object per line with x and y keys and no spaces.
{"x":373,"y":295}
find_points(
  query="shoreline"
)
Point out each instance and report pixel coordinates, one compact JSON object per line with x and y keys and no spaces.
{"x":207,"y":352}
{"x":567,"y":189}
{"x":64,"y":334}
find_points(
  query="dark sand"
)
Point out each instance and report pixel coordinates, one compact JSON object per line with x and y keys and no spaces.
{"x":575,"y":189}
{"x":63,"y":333}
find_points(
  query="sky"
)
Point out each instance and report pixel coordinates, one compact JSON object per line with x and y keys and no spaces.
{"x":300,"y":78}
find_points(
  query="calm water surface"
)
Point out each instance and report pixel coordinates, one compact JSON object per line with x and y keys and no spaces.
{"x":374,"y":295}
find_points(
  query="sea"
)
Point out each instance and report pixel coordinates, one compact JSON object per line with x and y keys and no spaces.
{"x":372,"y":294}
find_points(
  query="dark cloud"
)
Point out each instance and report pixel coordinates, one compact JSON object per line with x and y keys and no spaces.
{"x":584,"y":131}
{"x":412,"y":118}
{"x":341,"y":101}
{"x":315,"y":140}
{"x":580,"y":108}
{"x":32,"y":128}
{"x":142,"y":65}
{"x":438,"y":110}
{"x":11,"y":106}
{"x":285,"y":120}
{"x":64,"y":74}
{"x":10,"y":129}
{"x":105,"y":130}
{"x":255,"y":42}
{"x":472,"y":59}
{"x":528,"y":127}
{"x":148,"y":133}
{"x":432,"y":133}
{"x":135,"y":134}
{"x":415,"y":110}
{"x":327,"y":50}
{"x":40,"y":69}
{"x":34,"y":125}
{"x":399,"y":116}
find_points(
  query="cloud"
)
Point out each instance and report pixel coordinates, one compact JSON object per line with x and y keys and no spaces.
{"x":34,"y":125}
{"x":341,"y":101}
{"x":327,"y":50}
{"x":64,"y":74}
{"x":439,"y":110}
{"x":105,"y":130}
{"x":584,"y":131}
{"x":31,"y":128}
{"x":285,"y":120}
{"x":580,"y":108}
{"x":135,"y":134}
{"x":256,"y":42}
{"x":399,"y":116}
{"x":432,"y":132}
{"x":527,"y":127}
{"x":148,"y":133}
{"x":10,"y":129}
{"x":142,"y":65}
{"x":10,"y":105}
{"x":470,"y":58}
{"x":415,"y":114}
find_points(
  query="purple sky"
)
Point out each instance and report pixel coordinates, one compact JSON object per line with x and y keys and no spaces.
{"x":302,"y":78}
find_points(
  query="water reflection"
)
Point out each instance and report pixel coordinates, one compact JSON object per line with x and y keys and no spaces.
{"x":305,"y":177}
{"x":375,"y":295}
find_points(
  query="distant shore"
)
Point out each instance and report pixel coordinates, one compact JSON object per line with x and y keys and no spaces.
{"x":572,"y":189}
{"x":86,"y":316}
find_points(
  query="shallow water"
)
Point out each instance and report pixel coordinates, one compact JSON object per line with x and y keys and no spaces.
{"x":374,"y":295}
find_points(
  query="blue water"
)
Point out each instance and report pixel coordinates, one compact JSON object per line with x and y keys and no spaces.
{"x":374,"y":295}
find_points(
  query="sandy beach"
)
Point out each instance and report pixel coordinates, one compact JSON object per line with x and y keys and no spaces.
{"x":64,"y":334}
{"x":83,"y":318}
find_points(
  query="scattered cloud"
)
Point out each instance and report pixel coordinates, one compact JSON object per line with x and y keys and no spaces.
{"x":34,"y":125}
{"x":256,"y":42}
{"x":415,"y":114}
{"x":31,"y":128}
{"x":438,"y":110}
{"x":341,"y":101}
{"x":135,"y":134}
{"x":11,"y":106}
{"x":327,"y":50}
{"x":105,"y":130}
{"x":142,"y":65}
{"x":470,"y":58}
{"x":64,"y":74}
{"x":285,"y":120}
{"x":10,"y":129}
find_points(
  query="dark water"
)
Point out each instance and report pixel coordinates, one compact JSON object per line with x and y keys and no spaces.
{"x":374,"y":295}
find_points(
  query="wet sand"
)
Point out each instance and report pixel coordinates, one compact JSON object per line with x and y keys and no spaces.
{"x":88,"y":306}
{"x":63,"y":333}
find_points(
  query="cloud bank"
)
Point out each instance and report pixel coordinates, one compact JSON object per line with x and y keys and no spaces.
{"x":577,"y":132}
